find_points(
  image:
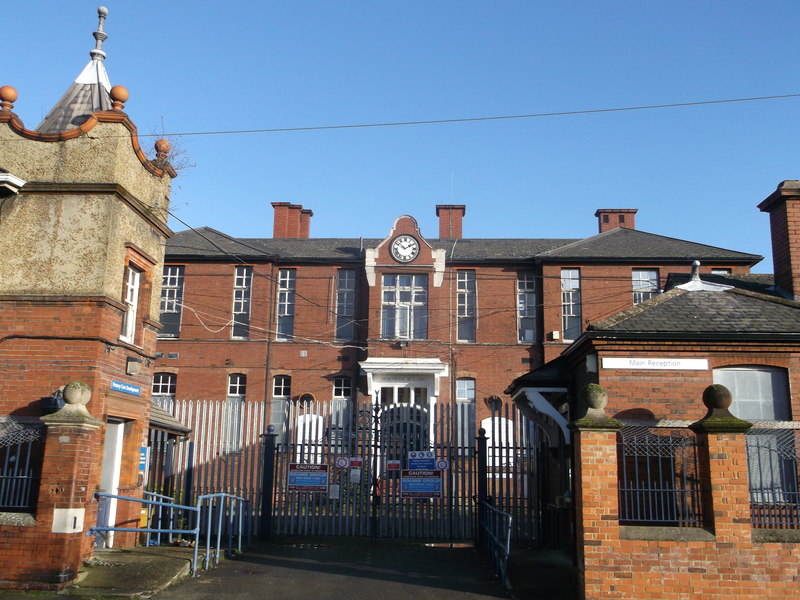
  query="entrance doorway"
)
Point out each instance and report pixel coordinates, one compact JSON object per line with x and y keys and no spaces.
{"x":109,"y":481}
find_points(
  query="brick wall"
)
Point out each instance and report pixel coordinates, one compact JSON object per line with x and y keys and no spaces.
{"x":641,"y":563}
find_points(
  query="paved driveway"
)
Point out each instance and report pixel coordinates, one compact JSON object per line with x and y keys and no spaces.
{"x":352,"y":569}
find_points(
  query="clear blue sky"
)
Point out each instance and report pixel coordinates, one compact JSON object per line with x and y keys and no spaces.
{"x":694,"y":173}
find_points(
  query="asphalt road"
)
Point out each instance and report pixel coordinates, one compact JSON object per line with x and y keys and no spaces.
{"x":352,"y":569}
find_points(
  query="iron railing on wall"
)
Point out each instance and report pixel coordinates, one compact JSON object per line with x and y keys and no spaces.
{"x":21,"y":446}
{"x":772,"y":464}
{"x":659,"y":482}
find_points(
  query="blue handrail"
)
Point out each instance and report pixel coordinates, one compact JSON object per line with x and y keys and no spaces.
{"x":236,"y":507}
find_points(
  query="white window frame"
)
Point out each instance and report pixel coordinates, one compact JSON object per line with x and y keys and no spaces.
{"x":571,"y":316}
{"x":526,"y":307}
{"x":234,"y":413}
{"x":465,"y":415}
{"x":281,"y":394}
{"x":242,"y":300}
{"x":163,"y":390}
{"x":404,"y":306}
{"x":345,"y":304}
{"x":466,"y":305}
{"x":645,"y":284}
{"x":287,"y":288}
{"x":172,"y":280}
{"x":133,"y":282}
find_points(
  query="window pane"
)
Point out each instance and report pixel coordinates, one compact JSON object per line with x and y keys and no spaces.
{"x":242,"y":284}
{"x":526,"y":306}
{"x":571,"y":303}
{"x":286,"y":295}
{"x":345,"y":304}
{"x":465,"y":306}
{"x":404,"y":314}
{"x":645,"y":284}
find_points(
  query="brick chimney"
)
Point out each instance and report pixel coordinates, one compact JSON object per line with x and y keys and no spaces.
{"x":609,"y":218}
{"x":280,"y":219}
{"x":450,"y":216}
{"x":291,"y":220}
{"x":305,"y":222}
{"x":783,"y":206}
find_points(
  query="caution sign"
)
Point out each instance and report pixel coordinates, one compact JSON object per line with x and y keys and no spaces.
{"x":308,"y":478}
{"x":420,"y":483}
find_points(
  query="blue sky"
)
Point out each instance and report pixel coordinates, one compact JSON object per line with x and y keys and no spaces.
{"x":694,"y":173}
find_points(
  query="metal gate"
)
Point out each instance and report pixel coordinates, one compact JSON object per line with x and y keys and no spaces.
{"x":361,"y":450}
{"x":400,"y":470}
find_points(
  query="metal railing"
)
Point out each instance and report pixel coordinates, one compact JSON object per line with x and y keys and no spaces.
{"x":158,"y":512}
{"x":214,"y":516}
{"x":772,"y":465}
{"x":496,"y":537}
{"x":659,"y":481}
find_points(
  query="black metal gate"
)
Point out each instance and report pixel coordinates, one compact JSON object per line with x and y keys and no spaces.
{"x":358,"y":457}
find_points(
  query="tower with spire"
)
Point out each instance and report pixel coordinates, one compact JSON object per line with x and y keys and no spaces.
{"x":83,"y":224}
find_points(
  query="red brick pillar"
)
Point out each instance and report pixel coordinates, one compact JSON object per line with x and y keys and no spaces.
{"x":70,"y":474}
{"x":723,"y":457}
{"x":596,"y":494}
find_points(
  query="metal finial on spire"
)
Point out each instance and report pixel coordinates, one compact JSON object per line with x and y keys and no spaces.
{"x":100,"y":36}
{"x":696,"y":270}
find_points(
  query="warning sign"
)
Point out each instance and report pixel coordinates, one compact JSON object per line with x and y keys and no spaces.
{"x":420,"y":483}
{"x":307,"y":478}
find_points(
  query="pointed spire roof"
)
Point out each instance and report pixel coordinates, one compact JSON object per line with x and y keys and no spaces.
{"x":89,"y":93}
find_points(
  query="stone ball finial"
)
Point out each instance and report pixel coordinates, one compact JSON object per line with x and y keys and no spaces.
{"x":8,"y":95}
{"x":162,"y":149}
{"x":102,"y":11}
{"x":77,"y":392}
{"x":717,"y":396}
{"x":119,"y":96}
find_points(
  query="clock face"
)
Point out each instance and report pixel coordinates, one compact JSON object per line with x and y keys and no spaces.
{"x":404,"y":248}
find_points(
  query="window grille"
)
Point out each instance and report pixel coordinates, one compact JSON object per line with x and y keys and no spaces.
{"x":658,"y":477}
{"x":21,"y":447}
{"x":772,"y":466}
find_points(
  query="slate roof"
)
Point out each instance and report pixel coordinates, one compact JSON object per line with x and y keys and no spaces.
{"x":633,"y":245}
{"x":620,"y":243}
{"x":736,"y":311}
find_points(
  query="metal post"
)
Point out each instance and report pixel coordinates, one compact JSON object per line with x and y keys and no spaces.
{"x":267,"y":483}
{"x":483,"y":472}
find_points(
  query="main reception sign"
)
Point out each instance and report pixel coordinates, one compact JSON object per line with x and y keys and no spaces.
{"x":664,"y":364}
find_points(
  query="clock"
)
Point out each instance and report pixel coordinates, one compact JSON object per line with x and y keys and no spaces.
{"x":404,"y":248}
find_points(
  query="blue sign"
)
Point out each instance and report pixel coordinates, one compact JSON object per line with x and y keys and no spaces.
{"x":420,"y":484}
{"x":307,"y":478}
{"x":421,"y":460}
{"x":142,"y":459}
{"x":126,"y":388}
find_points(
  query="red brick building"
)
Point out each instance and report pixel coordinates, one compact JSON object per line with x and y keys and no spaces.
{"x":83,"y":223}
{"x":678,"y":491}
{"x":405,"y":317}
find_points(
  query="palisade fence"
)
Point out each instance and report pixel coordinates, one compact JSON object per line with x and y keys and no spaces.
{"x":659,"y":480}
{"x":773,"y":464}
{"x":363,"y":447}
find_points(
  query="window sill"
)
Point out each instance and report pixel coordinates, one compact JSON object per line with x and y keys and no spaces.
{"x":781,"y":536}
{"x":15,"y":519}
{"x":665,"y":533}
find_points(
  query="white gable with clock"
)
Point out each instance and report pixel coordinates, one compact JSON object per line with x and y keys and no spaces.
{"x":405,"y":249}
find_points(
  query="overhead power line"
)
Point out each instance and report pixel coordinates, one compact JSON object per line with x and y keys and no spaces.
{"x":474,"y":119}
